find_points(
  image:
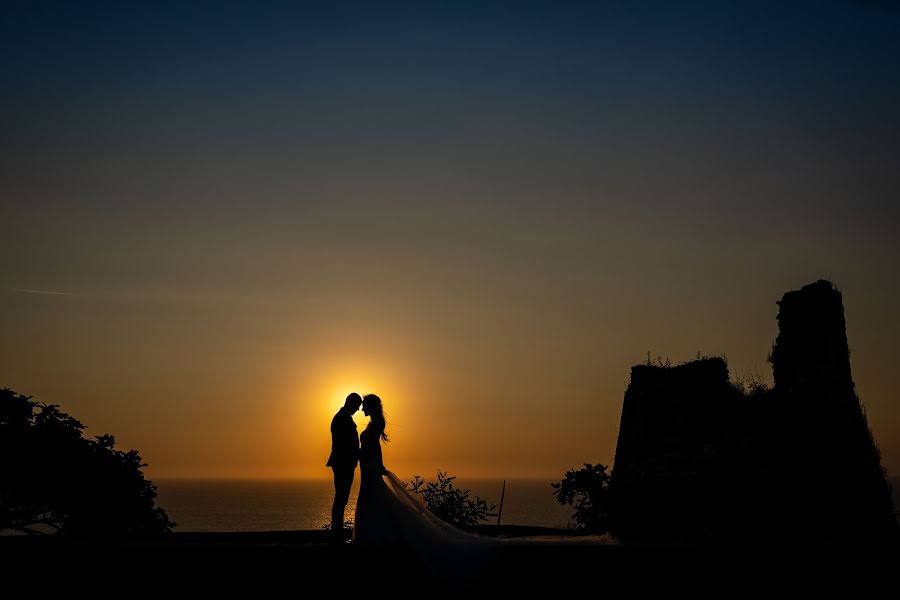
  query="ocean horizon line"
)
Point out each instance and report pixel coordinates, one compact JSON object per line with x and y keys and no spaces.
{"x":329,"y":478}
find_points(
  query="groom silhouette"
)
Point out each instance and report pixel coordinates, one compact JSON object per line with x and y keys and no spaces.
{"x":343,"y":459}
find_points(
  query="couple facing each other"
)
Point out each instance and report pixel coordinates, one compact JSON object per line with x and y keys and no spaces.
{"x":388,"y":513}
{"x":348,"y":448}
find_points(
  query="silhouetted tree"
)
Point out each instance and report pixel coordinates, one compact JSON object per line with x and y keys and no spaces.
{"x":54,"y":480}
{"x":452,"y":504}
{"x":588,"y":491}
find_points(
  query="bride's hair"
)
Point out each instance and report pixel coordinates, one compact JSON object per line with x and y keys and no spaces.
{"x":372,"y":404}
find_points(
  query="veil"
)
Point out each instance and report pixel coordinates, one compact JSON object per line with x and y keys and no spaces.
{"x":449,"y":553}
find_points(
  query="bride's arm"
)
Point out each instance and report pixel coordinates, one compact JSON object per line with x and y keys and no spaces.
{"x":381,"y":460}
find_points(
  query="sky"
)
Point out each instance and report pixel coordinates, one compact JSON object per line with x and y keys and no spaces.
{"x":484,"y":212}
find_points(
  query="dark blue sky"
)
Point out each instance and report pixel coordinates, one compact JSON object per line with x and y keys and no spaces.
{"x":579,"y":91}
{"x":489,"y":189}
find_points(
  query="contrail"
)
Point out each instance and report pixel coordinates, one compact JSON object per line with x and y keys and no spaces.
{"x":45,"y":292}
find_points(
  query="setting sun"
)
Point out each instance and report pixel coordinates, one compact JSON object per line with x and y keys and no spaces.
{"x":320,"y":399}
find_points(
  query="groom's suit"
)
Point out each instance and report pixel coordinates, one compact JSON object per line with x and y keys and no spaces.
{"x":343,"y":459}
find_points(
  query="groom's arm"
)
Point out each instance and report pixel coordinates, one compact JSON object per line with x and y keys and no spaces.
{"x":349,"y":440}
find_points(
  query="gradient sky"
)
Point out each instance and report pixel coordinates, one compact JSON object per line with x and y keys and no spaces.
{"x":484,"y":212}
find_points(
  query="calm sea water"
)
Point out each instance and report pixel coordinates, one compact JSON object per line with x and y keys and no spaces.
{"x":270,"y":505}
{"x":284,"y":504}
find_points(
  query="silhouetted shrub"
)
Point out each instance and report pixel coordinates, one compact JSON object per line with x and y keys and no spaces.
{"x":750,"y":384}
{"x":588,"y":491}
{"x":452,"y":504}
{"x":54,"y":480}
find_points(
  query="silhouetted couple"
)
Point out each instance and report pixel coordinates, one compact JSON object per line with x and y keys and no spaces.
{"x":346,"y":451}
{"x":388,"y":514}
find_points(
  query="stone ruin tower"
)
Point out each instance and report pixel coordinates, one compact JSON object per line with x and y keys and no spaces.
{"x":699,"y":459}
{"x":830,"y":464}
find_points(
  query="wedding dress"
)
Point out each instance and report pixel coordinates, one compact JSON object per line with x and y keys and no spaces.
{"x":388,"y":513}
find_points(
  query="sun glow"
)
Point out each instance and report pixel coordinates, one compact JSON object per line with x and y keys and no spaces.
{"x":335,"y":389}
{"x":319,"y":399}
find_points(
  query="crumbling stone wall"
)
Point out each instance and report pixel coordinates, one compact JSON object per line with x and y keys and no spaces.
{"x":698,"y":459}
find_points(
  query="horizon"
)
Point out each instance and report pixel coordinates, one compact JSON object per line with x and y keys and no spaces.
{"x":221,"y":220}
{"x":356,"y":481}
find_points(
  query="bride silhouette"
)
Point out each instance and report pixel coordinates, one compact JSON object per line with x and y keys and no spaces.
{"x":373,"y":523}
{"x":389,"y":514}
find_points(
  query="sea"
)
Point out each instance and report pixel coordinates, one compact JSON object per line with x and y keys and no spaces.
{"x":292,"y":504}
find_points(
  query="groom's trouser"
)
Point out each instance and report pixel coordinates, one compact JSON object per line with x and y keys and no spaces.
{"x":343,"y":480}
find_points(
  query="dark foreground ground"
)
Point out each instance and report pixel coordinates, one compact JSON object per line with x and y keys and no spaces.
{"x":301,"y":564}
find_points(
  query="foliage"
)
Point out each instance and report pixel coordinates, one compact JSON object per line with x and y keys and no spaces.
{"x":452,"y":504}
{"x":659,"y":361}
{"x":588,"y":491}
{"x":750,"y":383}
{"x":54,"y":480}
